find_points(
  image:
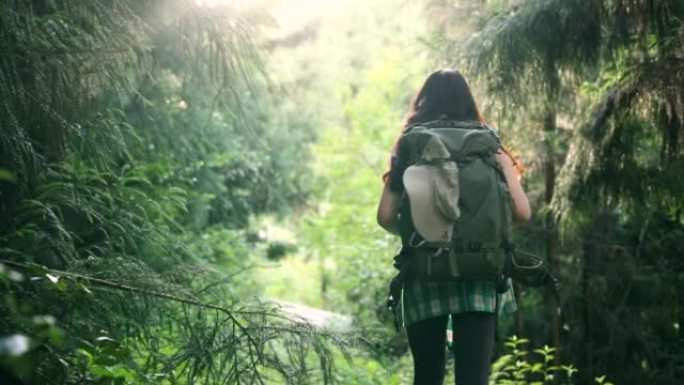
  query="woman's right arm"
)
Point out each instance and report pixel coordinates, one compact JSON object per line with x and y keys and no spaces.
{"x":388,"y":209}
{"x":521,"y":206}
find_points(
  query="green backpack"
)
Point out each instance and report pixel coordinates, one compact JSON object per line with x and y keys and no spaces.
{"x":455,"y":213}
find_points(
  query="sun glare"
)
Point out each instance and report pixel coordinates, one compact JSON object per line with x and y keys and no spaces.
{"x":290,"y":15}
{"x":232,"y":3}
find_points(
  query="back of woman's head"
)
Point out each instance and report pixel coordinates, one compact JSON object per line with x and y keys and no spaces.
{"x":444,"y":95}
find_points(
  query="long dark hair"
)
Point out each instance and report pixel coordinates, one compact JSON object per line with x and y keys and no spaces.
{"x":444,"y":95}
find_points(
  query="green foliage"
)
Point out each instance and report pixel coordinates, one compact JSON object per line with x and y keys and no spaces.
{"x":356,"y":111}
{"x":522,"y":367}
{"x":355,"y":252}
{"x":522,"y":53}
{"x":117,"y":333}
{"x":133,"y":158}
{"x":368,"y":369}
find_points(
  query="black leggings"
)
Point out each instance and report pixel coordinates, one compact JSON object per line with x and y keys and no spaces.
{"x":473,"y":336}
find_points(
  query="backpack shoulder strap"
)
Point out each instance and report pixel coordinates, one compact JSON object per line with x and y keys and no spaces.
{"x":494,"y":132}
{"x":413,"y":127}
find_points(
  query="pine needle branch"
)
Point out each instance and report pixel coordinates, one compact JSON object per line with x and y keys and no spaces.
{"x":146,"y":292}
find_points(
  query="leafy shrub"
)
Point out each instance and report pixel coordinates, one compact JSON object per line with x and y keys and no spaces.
{"x":522,"y":367}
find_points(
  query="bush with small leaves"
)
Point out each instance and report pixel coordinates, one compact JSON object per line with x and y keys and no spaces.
{"x":520,"y":366}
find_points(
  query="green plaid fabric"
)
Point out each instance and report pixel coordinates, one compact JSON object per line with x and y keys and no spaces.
{"x":422,"y":300}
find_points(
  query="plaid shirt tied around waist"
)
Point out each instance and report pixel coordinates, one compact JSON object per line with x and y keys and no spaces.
{"x":427,"y":299}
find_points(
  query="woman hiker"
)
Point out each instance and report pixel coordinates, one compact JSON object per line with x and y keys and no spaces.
{"x":472,"y":304}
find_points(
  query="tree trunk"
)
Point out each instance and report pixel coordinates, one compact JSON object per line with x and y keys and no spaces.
{"x":519,"y":317}
{"x":587,"y":340}
{"x":551,"y":233}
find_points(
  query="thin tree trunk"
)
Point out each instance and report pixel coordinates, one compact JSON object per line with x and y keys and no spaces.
{"x":519,"y":318}
{"x":551,"y":234}
{"x":587,"y":340}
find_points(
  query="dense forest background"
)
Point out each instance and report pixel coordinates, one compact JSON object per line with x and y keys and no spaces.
{"x":173,"y":171}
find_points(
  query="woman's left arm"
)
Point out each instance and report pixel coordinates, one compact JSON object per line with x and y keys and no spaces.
{"x":521,"y":206}
{"x":388,"y":209}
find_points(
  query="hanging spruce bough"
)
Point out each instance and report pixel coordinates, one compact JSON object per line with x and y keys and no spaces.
{"x":99,"y":203}
{"x":621,"y":58}
{"x":522,"y":55}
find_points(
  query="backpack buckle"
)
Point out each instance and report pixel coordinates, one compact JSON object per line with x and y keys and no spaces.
{"x":412,"y":240}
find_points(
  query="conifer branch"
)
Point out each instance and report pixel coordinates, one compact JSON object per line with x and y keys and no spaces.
{"x":120,"y":286}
